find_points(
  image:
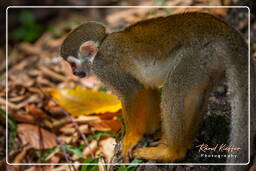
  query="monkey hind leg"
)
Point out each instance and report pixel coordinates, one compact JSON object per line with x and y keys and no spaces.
{"x":181,"y":118}
{"x":184,"y":102}
{"x":160,"y":153}
{"x":142,"y":116}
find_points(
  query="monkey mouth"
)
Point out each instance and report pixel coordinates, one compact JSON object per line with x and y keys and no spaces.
{"x":76,"y":66}
{"x":79,"y":73}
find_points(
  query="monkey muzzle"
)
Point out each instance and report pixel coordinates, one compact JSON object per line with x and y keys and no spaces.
{"x":76,"y":66}
{"x":79,"y":73}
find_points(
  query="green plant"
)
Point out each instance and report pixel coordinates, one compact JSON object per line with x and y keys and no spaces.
{"x":76,"y":150}
{"x":98,"y":134}
{"x":90,"y":167}
{"x":131,"y":167}
{"x":12,"y":128}
{"x":29,"y":30}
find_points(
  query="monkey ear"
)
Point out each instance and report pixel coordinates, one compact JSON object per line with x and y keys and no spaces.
{"x":90,"y":30}
{"x":88,"y":50}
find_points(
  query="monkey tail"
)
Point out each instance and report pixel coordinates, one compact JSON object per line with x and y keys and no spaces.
{"x":237,"y":75}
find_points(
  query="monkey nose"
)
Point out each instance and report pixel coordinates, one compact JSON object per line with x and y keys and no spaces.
{"x":79,"y":73}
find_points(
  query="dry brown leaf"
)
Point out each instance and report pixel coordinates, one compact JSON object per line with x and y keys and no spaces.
{"x":21,"y":116}
{"x":54,"y":159}
{"x":39,"y":168}
{"x":34,"y":73}
{"x":17,"y":98}
{"x":29,"y":134}
{"x":21,"y":79}
{"x":35,"y":111}
{"x":253,"y":167}
{"x":68,"y":129}
{"x":60,"y":122}
{"x":85,"y":129}
{"x":107,"y":146}
{"x":19,"y":157}
{"x":91,"y":148}
{"x":20,"y":66}
{"x":100,"y":166}
{"x":65,"y":139}
{"x":66,"y":168}
{"x":11,"y":168}
{"x":112,"y":125}
{"x":75,"y":138}
{"x":15,"y":89}
{"x":52,"y":74}
{"x":86,"y":119}
{"x":125,"y":16}
{"x":33,"y":98}
{"x":37,"y":91}
{"x":109,"y":115}
{"x":53,"y":156}
{"x":44,"y":82}
{"x":29,"y":48}
{"x":11,"y":105}
{"x":53,"y":108}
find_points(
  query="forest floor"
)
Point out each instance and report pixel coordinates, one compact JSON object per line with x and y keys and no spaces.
{"x":51,"y":117}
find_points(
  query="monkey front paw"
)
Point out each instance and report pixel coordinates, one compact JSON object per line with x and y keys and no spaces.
{"x":160,"y":153}
{"x":129,"y":142}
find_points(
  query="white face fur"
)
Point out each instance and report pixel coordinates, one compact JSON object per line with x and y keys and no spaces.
{"x":81,"y":65}
{"x":77,"y":62}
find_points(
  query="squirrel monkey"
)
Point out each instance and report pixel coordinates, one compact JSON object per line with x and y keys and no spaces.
{"x":185,"y":55}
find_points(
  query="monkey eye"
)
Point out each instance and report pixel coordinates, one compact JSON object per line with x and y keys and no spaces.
{"x":72,"y":64}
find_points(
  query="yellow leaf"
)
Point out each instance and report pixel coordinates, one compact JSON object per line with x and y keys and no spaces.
{"x":81,"y":101}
